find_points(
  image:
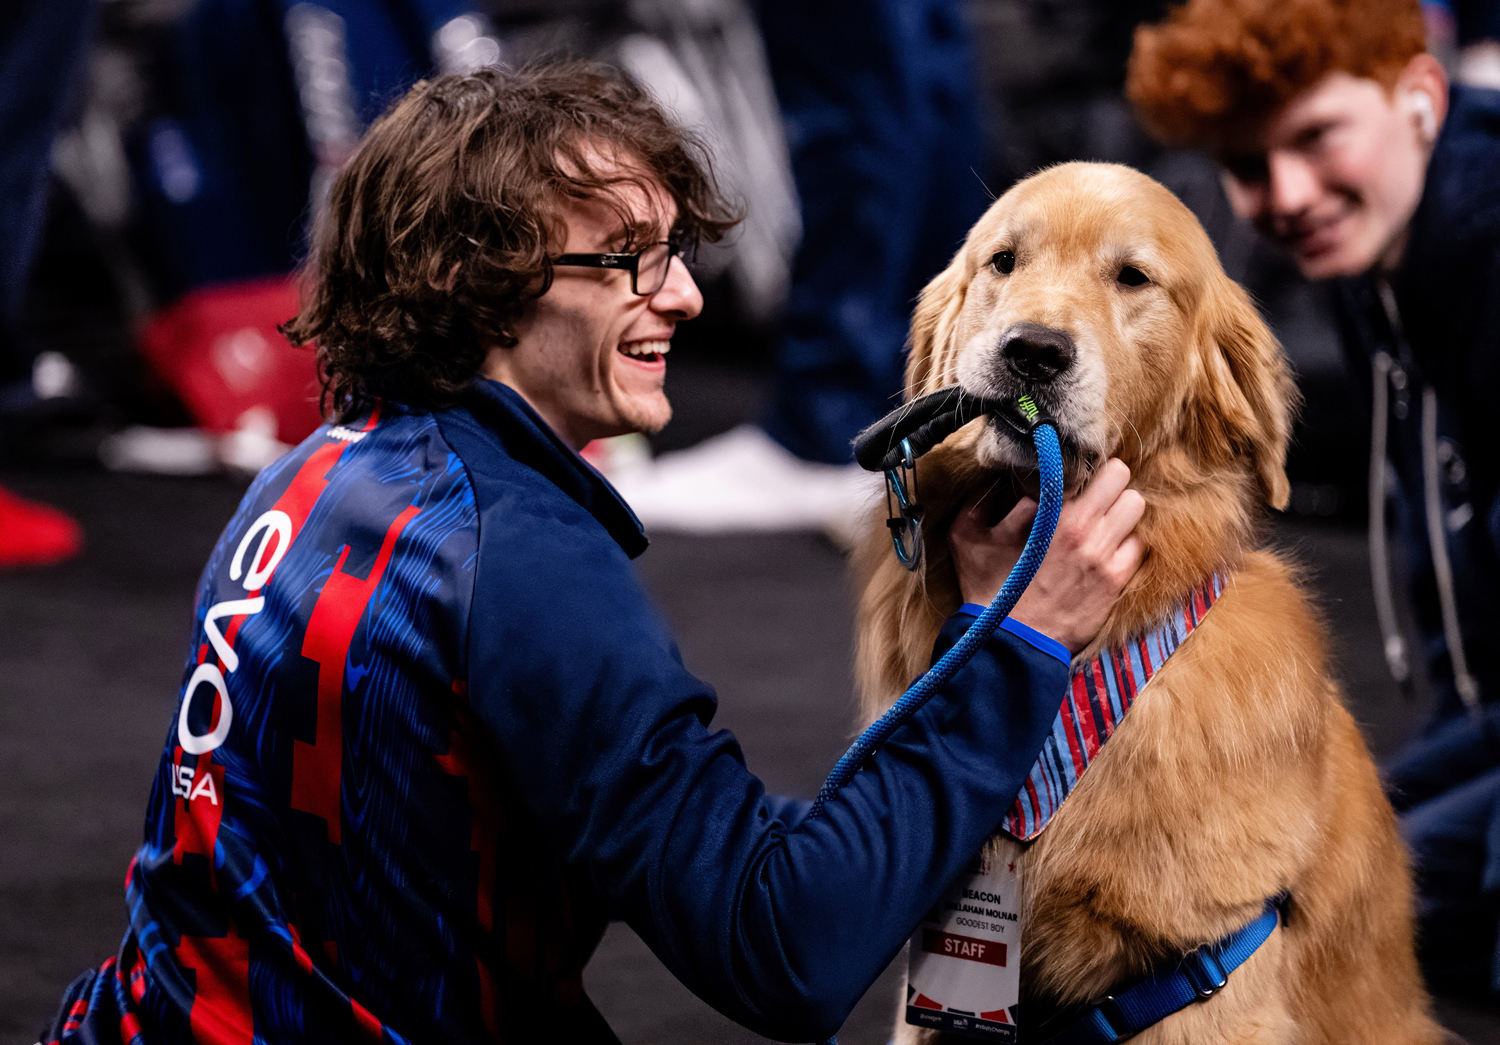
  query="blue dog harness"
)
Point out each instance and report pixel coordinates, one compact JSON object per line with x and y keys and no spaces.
{"x":1198,"y":975}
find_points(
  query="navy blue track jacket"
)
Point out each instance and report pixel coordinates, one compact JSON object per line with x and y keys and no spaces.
{"x":434,"y":736}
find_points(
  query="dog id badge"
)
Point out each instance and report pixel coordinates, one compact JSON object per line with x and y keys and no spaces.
{"x":964,"y":964}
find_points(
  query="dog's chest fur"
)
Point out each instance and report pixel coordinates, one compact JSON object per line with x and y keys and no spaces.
{"x":1188,"y":818}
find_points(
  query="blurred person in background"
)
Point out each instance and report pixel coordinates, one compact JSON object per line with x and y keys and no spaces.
{"x":1342,"y":142}
{"x":246,"y":110}
{"x":433,"y":735}
{"x":42,"y":45}
{"x":1465,"y":34}
{"x":880,"y":104}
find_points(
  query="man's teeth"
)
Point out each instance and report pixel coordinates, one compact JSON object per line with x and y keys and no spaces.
{"x":646,"y":348}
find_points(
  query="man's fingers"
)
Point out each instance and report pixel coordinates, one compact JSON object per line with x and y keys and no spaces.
{"x":1017,"y":523}
{"x":1086,"y":518}
{"x":1126,"y":560}
{"x":1121,"y":518}
{"x":1104,"y":488}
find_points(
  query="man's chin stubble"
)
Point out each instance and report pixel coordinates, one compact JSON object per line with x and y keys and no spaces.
{"x":647,"y":425}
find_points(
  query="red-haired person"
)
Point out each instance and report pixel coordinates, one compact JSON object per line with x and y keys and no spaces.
{"x":1342,"y":142}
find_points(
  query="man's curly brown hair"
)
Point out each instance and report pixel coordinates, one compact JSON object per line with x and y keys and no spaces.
{"x":1216,"y":69}
{"x":437,"y":233}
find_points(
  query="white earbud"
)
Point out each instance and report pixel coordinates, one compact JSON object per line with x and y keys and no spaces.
{"x":1421,"y":107}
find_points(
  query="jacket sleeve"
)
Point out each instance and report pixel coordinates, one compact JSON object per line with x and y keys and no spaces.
{"x":780,"y":926}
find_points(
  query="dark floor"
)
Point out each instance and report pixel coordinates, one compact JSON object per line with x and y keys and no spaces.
{"x":91,"y":652}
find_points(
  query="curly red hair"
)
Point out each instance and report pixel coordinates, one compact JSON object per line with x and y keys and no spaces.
{"x":1216,"y":68}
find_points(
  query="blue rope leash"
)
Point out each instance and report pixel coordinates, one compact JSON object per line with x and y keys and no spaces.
{"x":1049,"y":458}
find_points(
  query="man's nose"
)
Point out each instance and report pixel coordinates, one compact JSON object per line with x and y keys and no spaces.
{"x":679,"y":297}
{"x":1292,"y":186}
{"x":1036,"y":353}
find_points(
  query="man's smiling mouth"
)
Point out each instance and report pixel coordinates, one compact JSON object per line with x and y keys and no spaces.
{"x":1313,"y":237}
{"x":645,"y":351}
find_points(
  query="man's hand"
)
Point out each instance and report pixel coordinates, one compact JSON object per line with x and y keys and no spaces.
{"x":1093,"y":556}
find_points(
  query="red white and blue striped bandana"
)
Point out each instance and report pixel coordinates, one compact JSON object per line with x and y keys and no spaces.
{"x":1100,"y":692}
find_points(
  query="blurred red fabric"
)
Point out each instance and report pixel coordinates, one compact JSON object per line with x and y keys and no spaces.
{"x":218,"y":348}
{"x":33,"y":534}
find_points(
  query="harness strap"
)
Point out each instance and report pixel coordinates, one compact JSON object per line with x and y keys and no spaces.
{"x":1200,"y":974}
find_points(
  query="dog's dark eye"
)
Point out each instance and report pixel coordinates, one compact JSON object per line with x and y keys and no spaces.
{"x":1004,"y":262}
{"x":1132,"y":276}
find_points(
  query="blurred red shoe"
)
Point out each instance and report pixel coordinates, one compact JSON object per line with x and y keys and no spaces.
{"x":33,"y":534}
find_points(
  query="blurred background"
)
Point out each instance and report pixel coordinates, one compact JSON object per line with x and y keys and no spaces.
{"x":193,"y":140}
{"x":185,"y":145}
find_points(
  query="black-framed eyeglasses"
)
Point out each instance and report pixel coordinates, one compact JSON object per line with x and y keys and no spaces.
{"x":647,"y":266}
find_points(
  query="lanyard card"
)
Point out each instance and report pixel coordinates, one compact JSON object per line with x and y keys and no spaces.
{"x":964,"y":966}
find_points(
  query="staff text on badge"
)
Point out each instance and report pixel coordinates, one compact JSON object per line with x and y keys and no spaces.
{"x":966,"y":947}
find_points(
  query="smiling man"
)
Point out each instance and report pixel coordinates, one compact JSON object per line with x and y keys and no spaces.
{"x":432,"y":735}
{"x":1336,"y":177}
{"x":1323,"y":114}
{"x":594,"y":364}
{"x":1342,"y":143}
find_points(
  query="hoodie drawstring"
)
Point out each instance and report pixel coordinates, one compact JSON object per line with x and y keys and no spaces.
{"x":1442,"y":564}
{"x":1380,"y":557}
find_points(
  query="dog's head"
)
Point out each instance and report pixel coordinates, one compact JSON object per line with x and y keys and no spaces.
{"x":1093,"y":289}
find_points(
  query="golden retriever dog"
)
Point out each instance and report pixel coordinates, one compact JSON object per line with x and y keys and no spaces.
{"x":1238,"y":774}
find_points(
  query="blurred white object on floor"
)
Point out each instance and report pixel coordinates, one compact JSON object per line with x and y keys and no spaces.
{"x":160,"y":451}
{"x":743,"y":481}
{"x":253,"y":443}
{"x":193,"y":451}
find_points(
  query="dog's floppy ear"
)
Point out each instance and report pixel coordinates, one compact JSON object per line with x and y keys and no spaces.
{"x":1244,"y":396}
{"x":933,"y":325}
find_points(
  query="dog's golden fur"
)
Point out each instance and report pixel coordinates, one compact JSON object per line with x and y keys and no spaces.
{"x":1238,"y":774}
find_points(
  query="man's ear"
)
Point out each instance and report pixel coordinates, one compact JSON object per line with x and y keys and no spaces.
{"x":1243,"y":398}
{"x":1423,"y":85}
{"x":933,"y":325}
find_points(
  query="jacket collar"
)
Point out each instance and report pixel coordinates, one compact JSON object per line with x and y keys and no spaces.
{"x":1454,"y":230}
{"x":529,"y":440}
{"x":1459,"y":189}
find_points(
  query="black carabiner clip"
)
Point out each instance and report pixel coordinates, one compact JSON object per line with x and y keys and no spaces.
{"x":905,"y":523}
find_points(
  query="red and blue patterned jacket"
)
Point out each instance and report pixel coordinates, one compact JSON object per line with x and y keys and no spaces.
{"x":433,"y":735}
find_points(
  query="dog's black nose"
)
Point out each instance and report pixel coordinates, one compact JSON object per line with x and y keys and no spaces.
{"x":1035,"y":352}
